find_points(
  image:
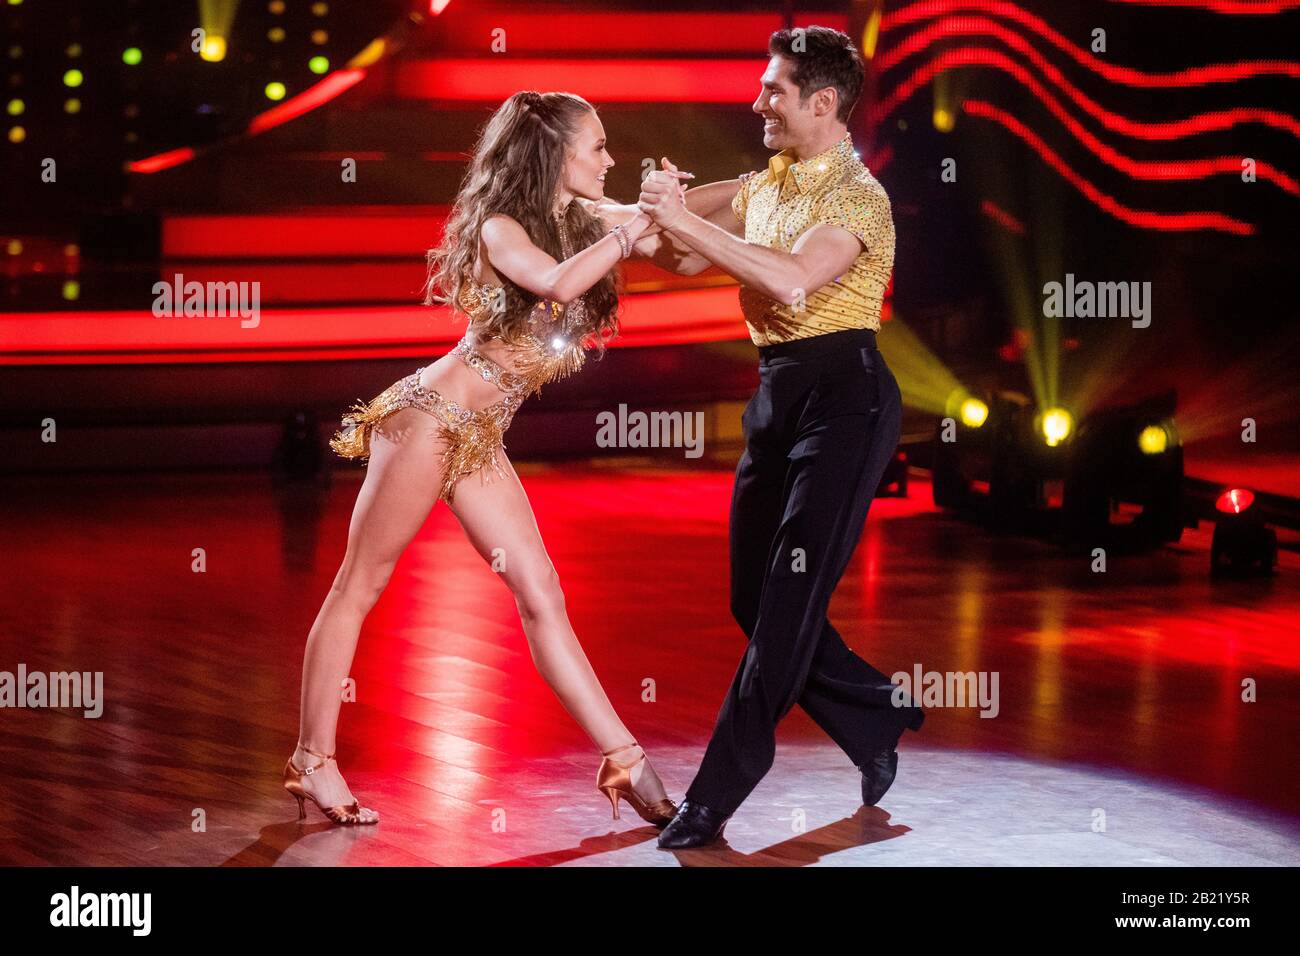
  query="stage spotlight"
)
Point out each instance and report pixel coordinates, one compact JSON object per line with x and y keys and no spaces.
{"x":132,"y":56}
{"x":319,"y":64}
{"x":974,"y":413}
{"x":1243,"y":545}
{"x":1234,"y":501}
{"x":72,"y":78}
{"x":967,"y":408}
{"x":275,"y":91}
{"x":1153,"y":440}
{"x":216,"y":17}
{"x":1056,"y":425}
{"x":16,"y":107}
{"x":999,"y":468}
{"x":961,"y":459}
{"x":214,"y":48}
{"x":1103,"y":481}
{"x":1128,"y":456}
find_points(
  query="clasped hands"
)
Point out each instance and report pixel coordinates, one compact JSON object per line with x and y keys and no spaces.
{"x":663,"y":196}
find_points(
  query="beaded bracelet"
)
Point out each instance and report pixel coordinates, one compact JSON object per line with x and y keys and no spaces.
{"x":624,"y":243}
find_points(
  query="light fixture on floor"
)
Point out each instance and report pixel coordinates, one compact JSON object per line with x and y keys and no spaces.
{"x":1243,"y":546}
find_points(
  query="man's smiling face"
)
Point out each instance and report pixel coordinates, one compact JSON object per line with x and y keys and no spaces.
{"x":785,"y":119}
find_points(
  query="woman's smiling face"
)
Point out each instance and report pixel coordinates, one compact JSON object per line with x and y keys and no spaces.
{"x":587,"y":160}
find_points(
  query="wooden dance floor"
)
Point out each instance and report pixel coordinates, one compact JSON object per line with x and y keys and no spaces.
{"x":1121,"y":735}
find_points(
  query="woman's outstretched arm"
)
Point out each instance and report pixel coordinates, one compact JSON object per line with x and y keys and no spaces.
{"x":514,"y":255}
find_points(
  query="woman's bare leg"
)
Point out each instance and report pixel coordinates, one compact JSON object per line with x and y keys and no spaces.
{"x":401,"y":485}
{"x":497,"y":514}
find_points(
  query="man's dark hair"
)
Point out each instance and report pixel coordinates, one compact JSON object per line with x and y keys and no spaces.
{"x":827,"y":58}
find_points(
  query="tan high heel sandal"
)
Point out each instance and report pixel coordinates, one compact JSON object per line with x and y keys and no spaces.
{"x":346,"y":814}
{"x":615,"y":781}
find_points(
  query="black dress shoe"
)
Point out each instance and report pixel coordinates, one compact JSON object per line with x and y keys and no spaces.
{"x":877,"y":776}
{"x":694,"y":825}
{"x":878,"y":773}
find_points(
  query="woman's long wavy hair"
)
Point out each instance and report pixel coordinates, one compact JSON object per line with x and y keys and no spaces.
{"x":516,"y":170}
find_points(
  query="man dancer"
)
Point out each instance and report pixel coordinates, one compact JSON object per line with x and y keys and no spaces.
{"x":812,"y":242}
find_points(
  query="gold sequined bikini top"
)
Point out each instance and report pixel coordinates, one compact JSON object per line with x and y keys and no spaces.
{"x":553,"y":350}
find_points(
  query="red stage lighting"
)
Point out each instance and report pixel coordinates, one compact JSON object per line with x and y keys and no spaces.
{"x":1235,"y":500}
{"x":1243,"y":545}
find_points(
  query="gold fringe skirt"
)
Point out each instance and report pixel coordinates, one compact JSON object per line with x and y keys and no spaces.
{"x":472,"y":438}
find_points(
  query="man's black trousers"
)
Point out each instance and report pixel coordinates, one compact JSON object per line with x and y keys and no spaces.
{"x":819,"y":433}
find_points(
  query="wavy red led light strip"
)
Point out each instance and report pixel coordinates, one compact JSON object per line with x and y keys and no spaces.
{"x":1230,"y":8}
{"x":1139,"y":169}
{"x":1173,"y":129}
{"x":962,"y":26}
{"x":1194,"y":76}
{"x":1146,"y":219}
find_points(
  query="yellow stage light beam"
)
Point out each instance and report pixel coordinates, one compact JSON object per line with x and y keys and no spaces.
{"x":1090,"y":374}
{"x":1026,"y":307}
{"x":945,"y":109}
{"x":871,"y":32}
{"x":1023,"y":263}
{"x":216,"y":17}
{"x":926,"y":383}
{"x":1048,"y":264}
{"x":1118,"y":364}
{"x":1261,"y":389}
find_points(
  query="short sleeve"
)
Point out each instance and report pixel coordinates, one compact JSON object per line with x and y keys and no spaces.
{"x":861,"y":208}
{"x":740,"y":201}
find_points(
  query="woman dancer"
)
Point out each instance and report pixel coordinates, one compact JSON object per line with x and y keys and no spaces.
{"x":529,"y":255}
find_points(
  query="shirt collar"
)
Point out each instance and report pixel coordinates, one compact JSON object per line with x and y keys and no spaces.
{"x":809,"y":172}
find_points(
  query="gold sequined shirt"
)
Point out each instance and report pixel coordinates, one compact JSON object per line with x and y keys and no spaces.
{"x":780,"y":204}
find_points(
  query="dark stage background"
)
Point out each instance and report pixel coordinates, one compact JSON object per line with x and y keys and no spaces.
{"x":313,"y":148}
{"x":1114,"y":159}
